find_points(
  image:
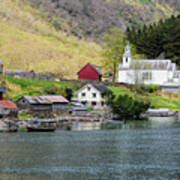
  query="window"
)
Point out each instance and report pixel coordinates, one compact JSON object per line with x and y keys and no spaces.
{"x":94,"y":95}
{"x":147,"y":76}
{"x":102,"y":103}
{"x":126,"y":59}
{"x":84,"y":102}
{"x":93,"y":103}
{"x":89,"y":88}
{"x":83,"y":94}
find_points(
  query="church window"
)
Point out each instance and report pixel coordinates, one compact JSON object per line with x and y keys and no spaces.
{"x":126,"y":59}
{"x":147,"y":76}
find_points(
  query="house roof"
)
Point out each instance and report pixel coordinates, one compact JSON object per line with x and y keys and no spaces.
{"x":96,"y":68}
{"x":7,"y":104}
{"x":99,"y":86}
{"x":15,"y":71}
{"x":37,"y":100}
{"x":56,"y":99}
{"x":152,"y":64}
{"x":46,"y":99}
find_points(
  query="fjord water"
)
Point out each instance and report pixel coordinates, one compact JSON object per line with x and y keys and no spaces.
{"x":148,"y":150}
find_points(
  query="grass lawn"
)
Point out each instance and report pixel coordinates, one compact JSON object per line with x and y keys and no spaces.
{"x":20,"y":87}
{"x":170,"y":101}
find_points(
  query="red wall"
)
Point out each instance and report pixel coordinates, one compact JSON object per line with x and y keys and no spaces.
{"x":88,"y":73}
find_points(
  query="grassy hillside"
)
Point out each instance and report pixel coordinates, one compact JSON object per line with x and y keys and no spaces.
{"x":157,"y":99}
{"x":93,"y":18}
{"x":19,"y":87}
{"x":28,"y":41}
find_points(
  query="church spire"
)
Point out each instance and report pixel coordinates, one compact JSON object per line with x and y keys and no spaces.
{"x":127,"y":51}
{"x":127,"y":56}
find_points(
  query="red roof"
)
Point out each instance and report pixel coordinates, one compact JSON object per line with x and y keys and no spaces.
{"x":7,"y":104}
{"x":56,"y":99}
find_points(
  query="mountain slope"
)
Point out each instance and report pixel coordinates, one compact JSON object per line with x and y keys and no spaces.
{"x":28,"y":41}
{"x":92,"y":18}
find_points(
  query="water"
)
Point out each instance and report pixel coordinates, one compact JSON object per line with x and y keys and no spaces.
{"x":148,"y":150}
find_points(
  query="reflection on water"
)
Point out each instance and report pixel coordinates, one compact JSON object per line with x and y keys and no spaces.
{"x":138,"y":150}
{"x":85,"y":126}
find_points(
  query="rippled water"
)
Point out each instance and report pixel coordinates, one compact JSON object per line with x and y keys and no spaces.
{"x":138,"y":151}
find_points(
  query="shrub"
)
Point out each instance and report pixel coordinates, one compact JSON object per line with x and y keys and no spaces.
{"x":150,"y":88}
{"x":142,"y":89}
{"x":126,"y":107}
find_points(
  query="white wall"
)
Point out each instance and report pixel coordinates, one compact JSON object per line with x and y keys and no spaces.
{"x":159,"y":77}
{"x":89,"y":97}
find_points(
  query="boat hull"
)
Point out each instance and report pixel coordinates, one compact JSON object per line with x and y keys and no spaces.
{"x":31,"y":129}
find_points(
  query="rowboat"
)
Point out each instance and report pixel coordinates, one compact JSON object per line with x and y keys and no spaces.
{"x":41,"y":126}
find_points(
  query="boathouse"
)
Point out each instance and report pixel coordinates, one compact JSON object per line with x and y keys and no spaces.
{"x":46,"y":104}
{"x":58,"y":102}
{"x":36,"y":105}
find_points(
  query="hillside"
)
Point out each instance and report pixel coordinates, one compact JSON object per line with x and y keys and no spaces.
{"x":28,"y":41}
{"x":55,"y":36}
{"x":93,"y":18}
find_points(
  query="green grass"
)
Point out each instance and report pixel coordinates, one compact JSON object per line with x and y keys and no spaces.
{"x":17,"y":88}
{"x":163,"y":102}
{"x":20,"y":87}
{"x":27,"y":83}
{"x":156,"y":101}
{"x":120,"y":91}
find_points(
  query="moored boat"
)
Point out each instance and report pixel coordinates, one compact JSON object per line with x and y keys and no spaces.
{"x":41,"y":129}
{"x":41,"y":126}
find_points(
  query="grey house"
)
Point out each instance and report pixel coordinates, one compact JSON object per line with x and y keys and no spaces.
{"x":39,"y":105}
{"x":34,"y":104}
{"x":59,"y":103}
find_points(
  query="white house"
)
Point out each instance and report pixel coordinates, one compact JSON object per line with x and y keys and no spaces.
{"x":147,"y":71}
{"x":92,"y":94}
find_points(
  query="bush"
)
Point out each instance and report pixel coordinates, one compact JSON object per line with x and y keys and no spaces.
{"x":142,"y":89}
{"x":126,"y":107}
{"x":150,"y":88}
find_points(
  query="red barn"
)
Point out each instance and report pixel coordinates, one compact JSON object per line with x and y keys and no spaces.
{"x":90,"y":72}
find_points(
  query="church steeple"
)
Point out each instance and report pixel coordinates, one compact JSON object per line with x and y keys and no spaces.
{"x":127,"y":56}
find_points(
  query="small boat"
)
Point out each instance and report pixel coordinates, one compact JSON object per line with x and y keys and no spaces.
{"x":41,"y":129}
{"x":41,"y":126}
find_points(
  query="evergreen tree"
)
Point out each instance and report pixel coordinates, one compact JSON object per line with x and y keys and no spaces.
{"x":163,"y":37}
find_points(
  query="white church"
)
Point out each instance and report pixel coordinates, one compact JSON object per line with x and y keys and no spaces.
{"x":147,"y":71}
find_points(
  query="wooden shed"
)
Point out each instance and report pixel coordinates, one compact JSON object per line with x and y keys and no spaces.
{"x":58,"y":102}
{"x":90,"y":72}
{"x":34,"y":104}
